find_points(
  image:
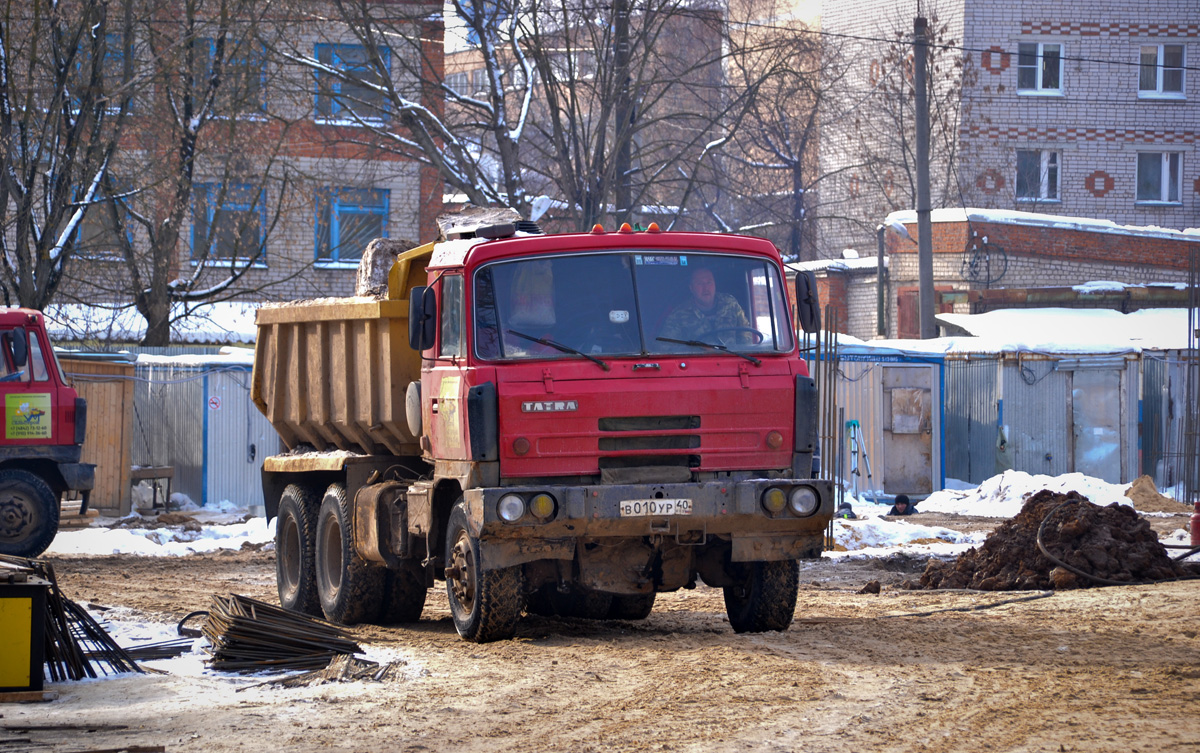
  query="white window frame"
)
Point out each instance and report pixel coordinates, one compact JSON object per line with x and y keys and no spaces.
{"x":1160,"y":71}
{"x":1039,"y":88}
{"x":1049,"y":161}
{"x":1165,"y":188}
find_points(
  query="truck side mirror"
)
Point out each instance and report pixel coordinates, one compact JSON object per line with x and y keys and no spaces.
{"x":17,"y":344}
{"x":422,"y":318}
{"x":808,"y":301}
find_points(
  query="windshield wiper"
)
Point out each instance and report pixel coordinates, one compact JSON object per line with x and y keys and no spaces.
{"x":560,"y":346}
{"x":710,"y":346}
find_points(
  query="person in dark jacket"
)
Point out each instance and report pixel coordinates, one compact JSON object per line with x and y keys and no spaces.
{"x":902,"y":506}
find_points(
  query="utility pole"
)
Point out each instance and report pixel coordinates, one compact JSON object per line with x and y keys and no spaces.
{"x":924,"y":227}
{"x":622,"y":112}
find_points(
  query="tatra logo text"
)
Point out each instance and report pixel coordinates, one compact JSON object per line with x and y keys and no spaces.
{"x":549,"y":406}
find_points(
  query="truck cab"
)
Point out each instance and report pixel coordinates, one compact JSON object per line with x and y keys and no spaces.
{"x":44,"y":423}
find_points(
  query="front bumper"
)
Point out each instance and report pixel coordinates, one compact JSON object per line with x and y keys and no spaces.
{"x":728,"y":509}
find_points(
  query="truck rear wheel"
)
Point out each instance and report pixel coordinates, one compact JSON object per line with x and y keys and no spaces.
{"x":631,"y":606}
{"x":765,"y":597}
{"x":28,"y":514}
{"x":348,"y":585}
{"x":485,"y":604}
{"x":295,"y":550}
{"x":404,"y":594}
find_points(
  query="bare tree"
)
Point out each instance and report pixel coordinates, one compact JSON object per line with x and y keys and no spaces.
{"x":204,"y":146}
{"x":770,"y":175}
{"x":604,"y":106}
{"x":888,"y":136}
{"x":65,"y":89}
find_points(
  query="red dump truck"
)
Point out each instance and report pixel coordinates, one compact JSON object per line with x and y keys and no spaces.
{"x":559,"y":424}
{"x":44,"y":422}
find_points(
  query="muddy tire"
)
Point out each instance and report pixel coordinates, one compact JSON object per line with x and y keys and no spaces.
{"x":631,"y":606}
{"x":485,"y":604}
{"x":403,"y":594}
{"x":29,"y":512}
{"x":765,"y":599}
{"x":295,"y":550}
{"x":349,"y":587}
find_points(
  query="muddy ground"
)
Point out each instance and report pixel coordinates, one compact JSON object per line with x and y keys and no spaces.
{"x":1107,"y":669}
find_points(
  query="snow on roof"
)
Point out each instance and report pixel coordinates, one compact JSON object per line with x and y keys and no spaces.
{"x":869,"y":263}
{"x":1012,"y":217}
{"x":224,"y":323}
{"x":1061,"y":330}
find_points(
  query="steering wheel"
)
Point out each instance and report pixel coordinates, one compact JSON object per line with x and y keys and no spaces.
{"x":755,"y":335}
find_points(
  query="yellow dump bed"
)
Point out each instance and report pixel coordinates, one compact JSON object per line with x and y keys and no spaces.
{"x":332,"y":373}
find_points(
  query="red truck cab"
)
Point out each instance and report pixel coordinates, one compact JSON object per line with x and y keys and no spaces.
{"x":40,"y":449}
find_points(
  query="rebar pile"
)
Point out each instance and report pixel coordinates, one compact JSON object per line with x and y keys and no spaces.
{"x":246,"y":635}
{"x":342,"y":668}
{"x":76,"y":645}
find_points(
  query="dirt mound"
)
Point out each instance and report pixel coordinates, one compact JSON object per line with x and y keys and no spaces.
{"x":1111,"y":542}
{"x":1145,"y":497}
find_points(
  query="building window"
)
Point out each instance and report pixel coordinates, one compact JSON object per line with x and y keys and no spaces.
{"x":1037,"y":175}
{"x":1161,"y":71}
{"x":1159,"y":177}
{"x":359,"y":98}
{"x":99,"y":234}
{"x":1039,"y":68}
{"x":243,"y":83}
{"x":227,"y":221}
{"x":347,"y":220}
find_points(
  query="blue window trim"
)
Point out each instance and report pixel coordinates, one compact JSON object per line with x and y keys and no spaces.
{"x":332,"y":196}
{"x":336,"y":60}
{"x":210,"y":189}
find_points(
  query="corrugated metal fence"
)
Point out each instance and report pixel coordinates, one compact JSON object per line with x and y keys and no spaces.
{"x":198,"y":418}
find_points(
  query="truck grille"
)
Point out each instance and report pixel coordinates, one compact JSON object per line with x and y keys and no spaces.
{"x":649,"y":423}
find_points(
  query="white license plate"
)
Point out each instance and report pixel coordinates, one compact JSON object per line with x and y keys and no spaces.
{"x":641,"y":507}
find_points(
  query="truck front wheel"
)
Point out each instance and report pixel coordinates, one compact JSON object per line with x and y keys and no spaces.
{"x":485,"y":603}
{"x":295,"y":550}
{"x":348,"y":585}
{"x":764,"y":598}
{"x":28,"y":514}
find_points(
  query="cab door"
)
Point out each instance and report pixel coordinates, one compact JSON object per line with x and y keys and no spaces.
{"x":445,"y":410}
{"x":29,"y":391}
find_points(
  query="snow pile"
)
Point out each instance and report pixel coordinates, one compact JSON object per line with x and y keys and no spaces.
{"x":164,"y":542}
{"x":1003,"y":496}
{"x":872,"y":536}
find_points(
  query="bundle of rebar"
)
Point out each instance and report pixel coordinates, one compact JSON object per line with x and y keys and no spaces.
{"x":342,"y":668}
{"x":76,"y":645}
{"x":247,"y":635}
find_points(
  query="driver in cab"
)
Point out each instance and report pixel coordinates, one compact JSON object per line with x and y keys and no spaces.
{"x":706,"y":313}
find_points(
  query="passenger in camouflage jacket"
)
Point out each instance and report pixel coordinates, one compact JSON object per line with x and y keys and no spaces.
{"x":708,"y":311}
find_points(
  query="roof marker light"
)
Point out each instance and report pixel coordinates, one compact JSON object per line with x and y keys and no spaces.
{"x":653,"y":228}
{"x":625,"y":228}
{"x":597,"y":229}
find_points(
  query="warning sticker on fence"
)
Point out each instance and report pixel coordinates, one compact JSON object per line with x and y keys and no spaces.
{"x":27,"y":416}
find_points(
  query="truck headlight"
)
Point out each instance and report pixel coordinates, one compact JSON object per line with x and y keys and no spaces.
{"x":774,"y":500}
{"x":542,"y":506}
{"x":511,"y":507}
{"x":804,"y":501}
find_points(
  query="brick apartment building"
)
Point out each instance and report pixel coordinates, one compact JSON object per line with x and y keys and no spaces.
{"x":1067,"y":108}
{"x":335,"y":187}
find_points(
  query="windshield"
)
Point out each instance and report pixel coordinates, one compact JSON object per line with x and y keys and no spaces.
{"x":616,"y":304}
